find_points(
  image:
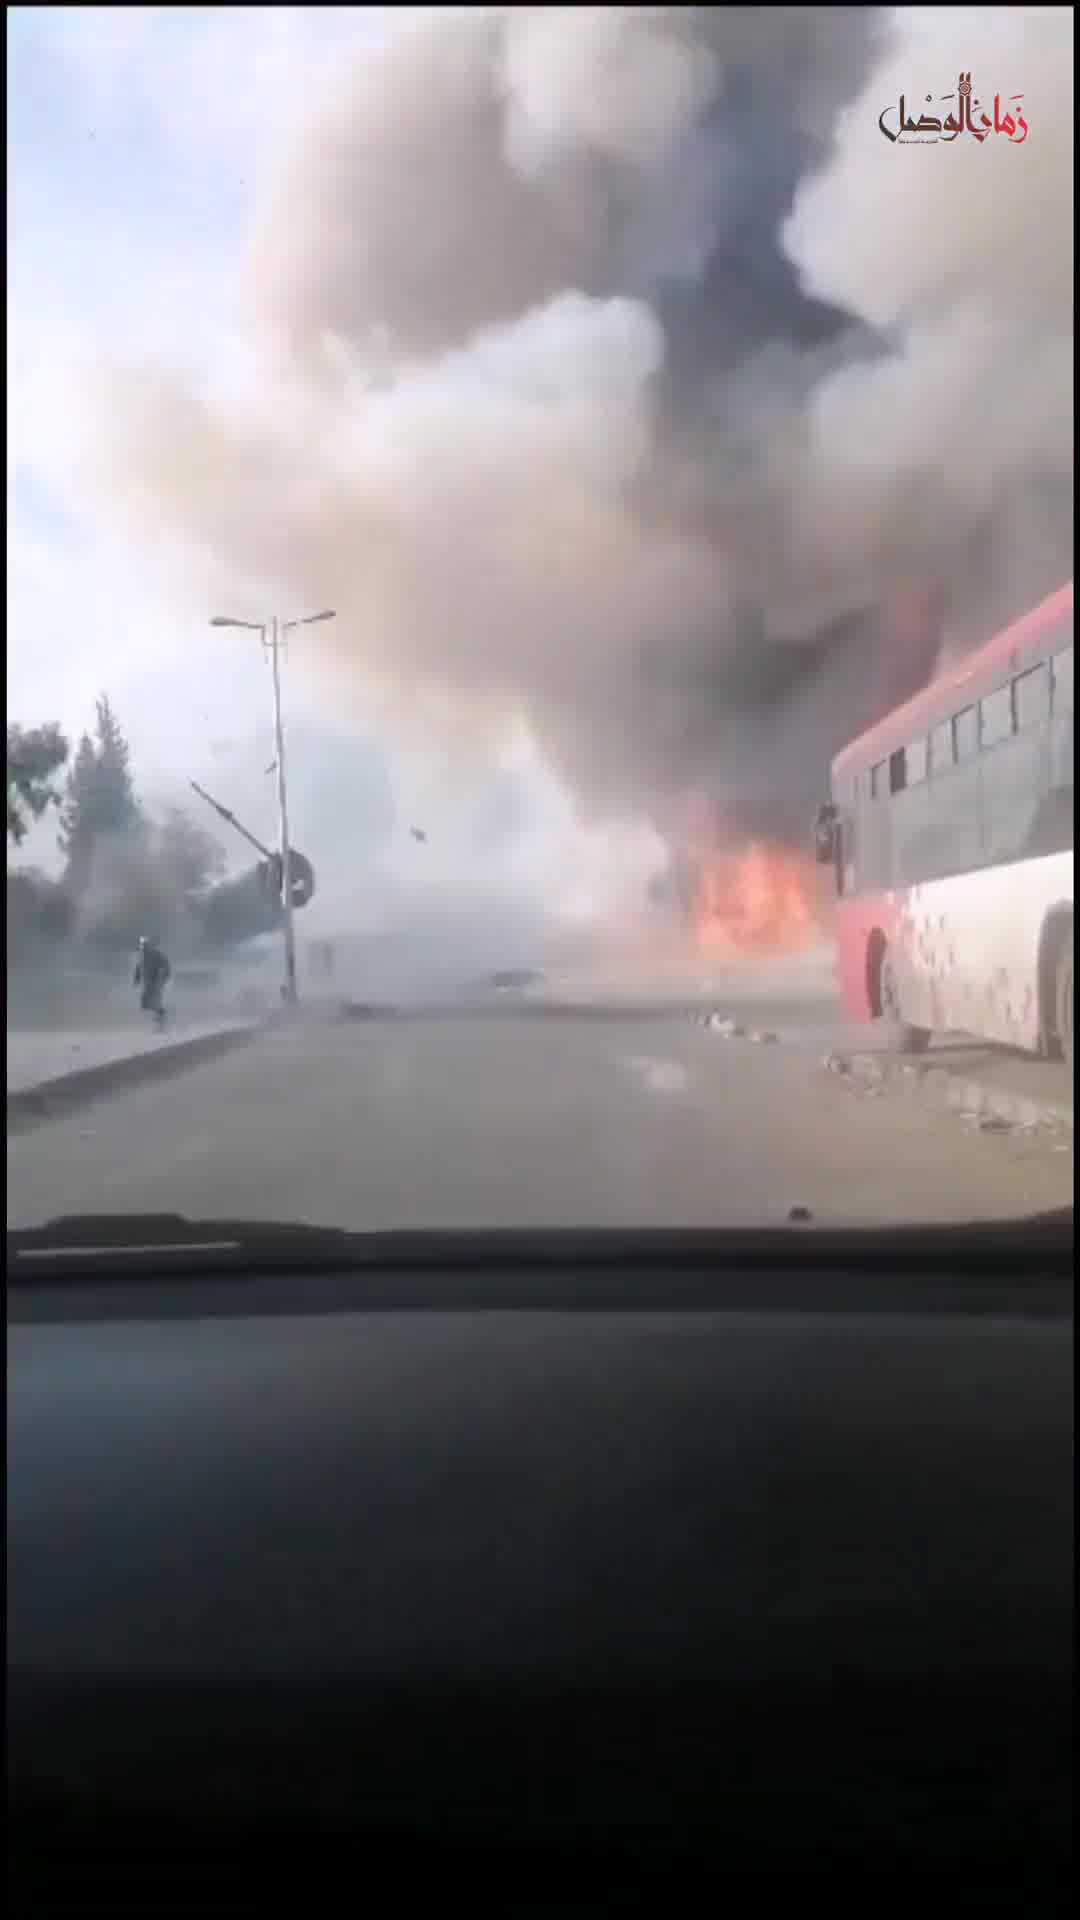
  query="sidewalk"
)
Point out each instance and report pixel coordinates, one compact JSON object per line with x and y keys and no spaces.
{"x":50,"y":1075}
{"x":36,"y":1059}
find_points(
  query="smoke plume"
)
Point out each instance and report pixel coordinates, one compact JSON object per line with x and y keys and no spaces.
{"x":613,"y":374}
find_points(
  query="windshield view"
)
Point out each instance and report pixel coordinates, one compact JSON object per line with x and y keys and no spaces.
{"x":540,"y":663}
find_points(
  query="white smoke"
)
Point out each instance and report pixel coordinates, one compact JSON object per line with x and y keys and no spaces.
{"x":538,"y":405}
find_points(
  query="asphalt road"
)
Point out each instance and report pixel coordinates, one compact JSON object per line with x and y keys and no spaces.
{"x":600,"y":1117}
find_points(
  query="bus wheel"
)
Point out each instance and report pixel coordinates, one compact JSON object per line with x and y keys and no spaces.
{"x":902,"y":1035}
{"x":1063,"y":1001}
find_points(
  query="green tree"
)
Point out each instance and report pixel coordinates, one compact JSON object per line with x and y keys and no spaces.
{"x":100,"y":802}
{"x":34,"y":756}
{"x":78,"y":829}
{"x":39,"y":914}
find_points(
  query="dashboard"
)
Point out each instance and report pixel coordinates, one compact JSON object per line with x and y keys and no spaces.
{"x":776,"y":1563}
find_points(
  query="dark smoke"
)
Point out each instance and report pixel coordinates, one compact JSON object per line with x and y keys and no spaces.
{"x":616,"y":375}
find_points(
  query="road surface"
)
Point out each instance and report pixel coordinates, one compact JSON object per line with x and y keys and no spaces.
{"x":603,"y":1117}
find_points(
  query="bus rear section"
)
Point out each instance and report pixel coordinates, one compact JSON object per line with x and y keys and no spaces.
{"x":950,"y":833}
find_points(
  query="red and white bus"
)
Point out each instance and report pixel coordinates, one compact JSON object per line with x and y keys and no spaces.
{"x":950,"y":831}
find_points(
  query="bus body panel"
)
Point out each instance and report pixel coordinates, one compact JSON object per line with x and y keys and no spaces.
{"x":966,"y":949}
{"x":953,"y":839}
{"x":858,"y":923}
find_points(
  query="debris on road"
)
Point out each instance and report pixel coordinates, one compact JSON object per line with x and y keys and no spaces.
{"x":513,"y":979}
{"x":987,"y":1108}
{"x":363,"y":1010}
{"x":727,"y":1029}
{"x":658,"y":1076}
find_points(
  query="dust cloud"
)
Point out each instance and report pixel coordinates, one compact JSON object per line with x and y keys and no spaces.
{"x":612,"y":375}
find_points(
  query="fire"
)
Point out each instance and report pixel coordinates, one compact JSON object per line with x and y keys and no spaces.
{"x":763,"y":899}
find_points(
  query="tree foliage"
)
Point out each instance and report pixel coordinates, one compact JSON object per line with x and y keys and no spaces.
{"x":34,"y":756}
{"x":100,"y":802}
{"x":126,"y":872}
{"x":39,"y":913}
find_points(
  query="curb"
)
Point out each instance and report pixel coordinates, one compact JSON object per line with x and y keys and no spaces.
{"x":991,"y":1109}
{"x":52,"y":1099}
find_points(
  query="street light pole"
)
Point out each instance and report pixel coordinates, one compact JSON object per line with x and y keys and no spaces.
{"x":272,"y":634}
{"x":290,"y":992}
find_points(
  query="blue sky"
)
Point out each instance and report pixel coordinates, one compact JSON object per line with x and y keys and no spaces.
{"x":137,"y":142}
{"x":125,"y":226}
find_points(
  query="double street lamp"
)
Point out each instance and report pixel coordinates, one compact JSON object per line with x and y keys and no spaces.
{"x":272,"y":633}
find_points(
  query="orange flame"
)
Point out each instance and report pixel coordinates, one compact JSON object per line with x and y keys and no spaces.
{"x":763,"y":899}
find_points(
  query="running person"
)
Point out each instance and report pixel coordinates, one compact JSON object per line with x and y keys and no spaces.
{"x":152,"y":971}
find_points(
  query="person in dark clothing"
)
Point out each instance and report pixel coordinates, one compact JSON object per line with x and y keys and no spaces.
{"x":152,"y":970}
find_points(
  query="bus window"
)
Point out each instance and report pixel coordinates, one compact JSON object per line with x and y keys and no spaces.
{"x":997,"y":716}
{"x":1062,"y":664}
{"x":877,"y":781}
{"x":897,"y":771}
{"x":941,"y":752}
{"x":1031,"y":697}
{"x":966,"y":733}
{"x":917,"y":758}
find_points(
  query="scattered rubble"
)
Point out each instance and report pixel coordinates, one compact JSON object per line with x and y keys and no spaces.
{"x":727,"y":1029}
{"x":989,"y":1109}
